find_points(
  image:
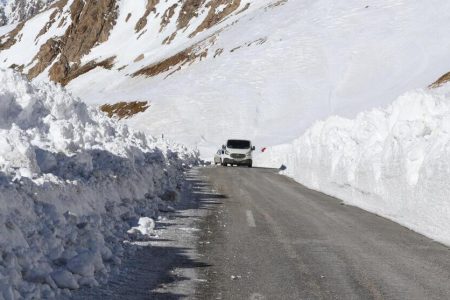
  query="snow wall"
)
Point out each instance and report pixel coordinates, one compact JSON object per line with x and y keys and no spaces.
{"x":394,"y":162}
{"x":72,"y":183}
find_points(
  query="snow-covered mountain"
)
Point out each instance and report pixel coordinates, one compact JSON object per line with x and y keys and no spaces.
{"x":214,"y":69}
{"x":13,"y":11}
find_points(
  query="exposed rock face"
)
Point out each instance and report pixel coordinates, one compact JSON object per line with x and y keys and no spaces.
{"x":124,"y":110}
{"x":177,"y":61}
{"x":11,"y":38}
{"x":151,"y":8}
{"x":91,"y":24}
{"x":218,"y":10}
{"x":59,"y":8}
{"x":63,"y":72}
{"x":189,"y":10}
{"x":441,"y":81}
{"x":215,"y":15}
{"x":47,"y":54}
{"x":88,"y":23}
{"x":168,"y":14}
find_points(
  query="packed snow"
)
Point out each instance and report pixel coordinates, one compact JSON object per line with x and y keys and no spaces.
{"x":72,"y":183}
{"x":394,"y":162}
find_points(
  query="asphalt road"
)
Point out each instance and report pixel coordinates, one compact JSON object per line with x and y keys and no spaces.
{"x":268,"y":237}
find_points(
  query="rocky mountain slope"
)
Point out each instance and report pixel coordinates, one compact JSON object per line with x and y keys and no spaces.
{"x":13,"y":11}
{"x":66,"y":33}
{"x":213,"y":69}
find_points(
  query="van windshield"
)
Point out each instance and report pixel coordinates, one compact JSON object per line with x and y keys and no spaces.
{"x":238,"y":144}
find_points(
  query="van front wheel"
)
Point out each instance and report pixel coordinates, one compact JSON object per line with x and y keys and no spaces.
{"x":250,"y":164}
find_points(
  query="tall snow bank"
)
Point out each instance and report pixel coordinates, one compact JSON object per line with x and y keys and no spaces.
{"x":72,"y":183}
{"x":394,"y":162}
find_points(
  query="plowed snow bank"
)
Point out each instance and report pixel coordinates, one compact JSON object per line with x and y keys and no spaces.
{"x":394,"y":162}
{"x":72,"y":183}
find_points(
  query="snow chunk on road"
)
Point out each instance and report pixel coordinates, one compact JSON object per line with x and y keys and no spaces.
{"x":146,"y":226}
{"x":394,"y":162}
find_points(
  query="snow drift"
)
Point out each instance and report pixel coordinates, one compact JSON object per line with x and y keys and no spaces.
{"x":72,"y":183}
{"x":394,"y":162}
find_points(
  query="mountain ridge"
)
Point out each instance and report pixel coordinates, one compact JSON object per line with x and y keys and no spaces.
{"x":81,"y":26}
{"x":263,"y":70}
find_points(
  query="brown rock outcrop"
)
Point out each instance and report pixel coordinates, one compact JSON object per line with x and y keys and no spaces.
{"x":63,"y":72}
{"x":441,"y":81}
{"x":214,"y":17}
{"x":48,"y":52}
{"x":58,"y":6}
{"x":187,"y":56}
{"x":151,"y":7}
{"x":189,"y":10}
{"x":11,"y":37}
{"x":139,"y":58}
{"x":47,"y":25}
{"x":125,"y":110}
{"x":91,"y":24}
{"x":167,"y":16}
{"x":169,"y":39}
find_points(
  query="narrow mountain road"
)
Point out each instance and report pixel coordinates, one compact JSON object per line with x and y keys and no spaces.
{"x":268,"y":237}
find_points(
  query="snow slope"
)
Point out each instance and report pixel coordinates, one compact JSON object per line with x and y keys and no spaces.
{"x":394,"y":161}
{"x":302,"y":65}
{"x":266,"y":73}
{"x":72,"y":183}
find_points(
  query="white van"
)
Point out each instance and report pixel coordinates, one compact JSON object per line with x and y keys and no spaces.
{"x":237,"y":152}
